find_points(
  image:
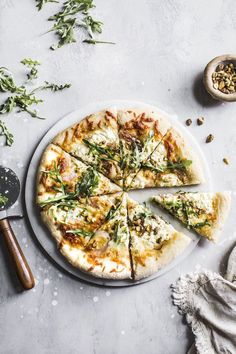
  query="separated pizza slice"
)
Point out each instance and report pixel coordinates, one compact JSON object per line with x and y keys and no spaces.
{"x":95,"y":141}
{"x":92,"y":234}
{"x":203,"y":212}
{"x":62,"y":176}
{"x":140,"y":132}
{"x":154,"y":242}
{"x":171,"y":163}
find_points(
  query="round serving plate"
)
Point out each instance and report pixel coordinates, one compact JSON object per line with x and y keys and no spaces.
{"x":42,"y":233}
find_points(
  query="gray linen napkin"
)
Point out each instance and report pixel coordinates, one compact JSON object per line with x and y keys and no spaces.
{"x":208,"y":302}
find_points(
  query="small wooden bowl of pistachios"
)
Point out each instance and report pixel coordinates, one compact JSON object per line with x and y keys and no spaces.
{"x":220,"y":78}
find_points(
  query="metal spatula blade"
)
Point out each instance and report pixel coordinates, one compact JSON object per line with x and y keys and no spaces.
{"x":9,"y":192}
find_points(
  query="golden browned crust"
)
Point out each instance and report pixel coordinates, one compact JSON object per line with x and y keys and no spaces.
{"x":221,"y":201}
{"x":171,"y":249}
{"x":77,"y":132}
{"x":194,"y":171}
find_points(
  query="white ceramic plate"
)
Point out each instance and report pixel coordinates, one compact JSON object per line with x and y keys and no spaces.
{"x":43,"y":235}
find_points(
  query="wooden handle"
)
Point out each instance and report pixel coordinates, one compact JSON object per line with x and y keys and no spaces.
{"x":21,"y":266}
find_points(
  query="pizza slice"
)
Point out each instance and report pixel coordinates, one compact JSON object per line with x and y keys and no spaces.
{"x":92,"y":234}
{"x":95,"y":141}
{"x":171,"y":163}
{"x":154,"y":242}
{"x":140,"y":132}
{"x":62,"y":176}
{"x":203,"y":212}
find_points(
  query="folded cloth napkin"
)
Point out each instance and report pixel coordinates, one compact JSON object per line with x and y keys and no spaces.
{"x":208,"y":302}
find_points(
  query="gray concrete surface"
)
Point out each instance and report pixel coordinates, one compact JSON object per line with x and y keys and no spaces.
{"x":160,"y":52}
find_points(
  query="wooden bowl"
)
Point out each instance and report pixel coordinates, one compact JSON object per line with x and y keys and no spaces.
{"x":207,"y":77}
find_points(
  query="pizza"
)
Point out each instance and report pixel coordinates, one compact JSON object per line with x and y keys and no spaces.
{"x":140,"y":134}
{"x":92,"y":233}
{"x":83,"y":179}
{"x":95,"y":141}
{"x":133,"y":148}
{"x":203,"y":212}
{"x":154,"y":242}
{"x":62,"y":176}
{"x":170,"y":163}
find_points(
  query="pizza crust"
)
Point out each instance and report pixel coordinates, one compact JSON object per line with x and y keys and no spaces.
{"x":195,"y":171}
{"x":106,"y":269}
{"x":128,"y":115}
{"x":223,"y":200}
{"x":111,"y":261}
{"x":170,"y":250}
{"x":78,"y":258}
{"x":76,"y":132}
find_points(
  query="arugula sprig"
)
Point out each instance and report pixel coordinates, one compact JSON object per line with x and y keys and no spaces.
{"x":41,"y":3}
{"x":88,"y":183}
{"x":7,"y":83}
{"x":3,"y":200}
{"x":22,"y":102}
{"x":80,"y":232}
{"x":21,"y":97}
{"x":180,"y":165}
{"x":32,"y":64}
{"x":73,"y":15}
{"x":84,"y":188}
{"x":54,"y":87}
{"x":103,"y":153}
{"x":5,"y":132}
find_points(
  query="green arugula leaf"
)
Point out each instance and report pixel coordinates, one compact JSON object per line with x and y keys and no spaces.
{"x":80,"y":232}
{"x":94,"y":41}
{"x":3,"y":200}
{"x":55,"y":175}
{"x":201,"y":224}
{"x":85,"y":188}
{"x":5,"y":132}
{"x":22,"y":99}
{"x":113,"y":210}
{"x":30,"y":63}
{"x":55,"y":87}
{"x":118,"y":232}
{"x":41,"y":3}
{"x":101,"y":152}
{"x":88,"y":183}
{"x":179,"y":165}
{"x":7,"y":83}
{"x":73,"y":15}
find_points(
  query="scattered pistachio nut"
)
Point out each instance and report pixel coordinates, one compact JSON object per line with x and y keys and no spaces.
{"x":209,"y":138}
{"x":226,"y":161}
{"x":200,"y":120}
{"x":224,"y":78}
{"x":188,"y":122}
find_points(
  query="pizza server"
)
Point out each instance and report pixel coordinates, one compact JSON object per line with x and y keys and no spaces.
{"x":9,"y":192}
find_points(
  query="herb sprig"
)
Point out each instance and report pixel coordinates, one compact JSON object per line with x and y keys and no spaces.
{"x":88,"y":183}
{"x":41,"y":3}
{"x":178,"y":165}
{"x":5,"y":132}
{"x":84,"y":188}
{"x":75,"y":14}
{"x":32,"y":64}
{"x":80,"y":232}
{"x":103,"y":153}
{"x":21,"y":98}
{"x":3,"y":200}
